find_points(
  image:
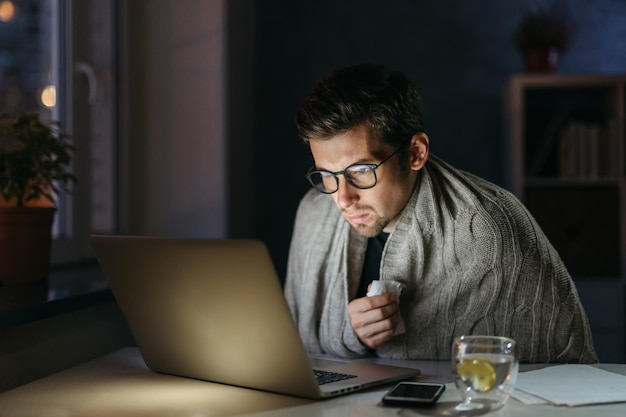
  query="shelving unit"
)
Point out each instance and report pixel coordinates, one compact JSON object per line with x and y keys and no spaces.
{"x":566,"y":154}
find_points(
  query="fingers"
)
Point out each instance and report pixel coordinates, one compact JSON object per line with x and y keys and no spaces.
{"x":369,"y":310}
{"x":374,"y":319}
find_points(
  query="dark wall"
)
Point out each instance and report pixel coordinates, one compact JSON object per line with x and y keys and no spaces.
{"x":460,"y":54}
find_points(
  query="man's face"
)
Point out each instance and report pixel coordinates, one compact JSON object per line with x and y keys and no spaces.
{"x":377,"y":209}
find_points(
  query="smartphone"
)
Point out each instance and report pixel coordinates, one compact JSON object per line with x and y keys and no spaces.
{"x":414,"y":394}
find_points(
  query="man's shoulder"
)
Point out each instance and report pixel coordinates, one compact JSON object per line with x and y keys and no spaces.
{"x":467,"y":186}
{"x":316,"y":209}
{"x":314,"y":201}
{"x":317,"y":216}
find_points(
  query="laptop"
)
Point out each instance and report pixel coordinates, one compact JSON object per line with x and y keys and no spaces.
{"x":214,"y":310}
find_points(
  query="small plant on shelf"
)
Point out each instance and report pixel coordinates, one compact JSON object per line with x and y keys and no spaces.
{"x":543,"y":34}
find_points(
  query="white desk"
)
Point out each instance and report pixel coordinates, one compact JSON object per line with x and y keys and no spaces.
{"x":119,"y":384}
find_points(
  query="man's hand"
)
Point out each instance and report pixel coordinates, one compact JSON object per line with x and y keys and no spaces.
{"x":374,"y":318}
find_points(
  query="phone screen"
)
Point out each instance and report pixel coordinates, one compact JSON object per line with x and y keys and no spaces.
{"x":415,"y":391}
{"x":414,"y":394}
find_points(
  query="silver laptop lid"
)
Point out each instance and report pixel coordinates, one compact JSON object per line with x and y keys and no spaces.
{"x":207,"y":309}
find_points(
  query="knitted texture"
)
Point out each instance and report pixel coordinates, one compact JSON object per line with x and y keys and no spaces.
{"x":472,"y":260}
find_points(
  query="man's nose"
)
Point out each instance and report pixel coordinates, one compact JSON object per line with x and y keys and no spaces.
{"x":346,"y":194}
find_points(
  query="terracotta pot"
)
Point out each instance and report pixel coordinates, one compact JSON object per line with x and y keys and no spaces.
{"x":25,"y":239}
{"x":541,"y":59}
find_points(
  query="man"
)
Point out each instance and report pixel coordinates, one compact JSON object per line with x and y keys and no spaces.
{"x":467,"y":257}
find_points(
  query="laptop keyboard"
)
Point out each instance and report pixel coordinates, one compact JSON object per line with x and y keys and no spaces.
{"x":326,"y":377}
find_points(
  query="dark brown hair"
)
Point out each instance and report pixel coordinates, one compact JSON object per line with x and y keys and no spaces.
{"x":385,"y":101}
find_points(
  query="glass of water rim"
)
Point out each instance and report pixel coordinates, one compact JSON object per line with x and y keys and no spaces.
{"x":485,"y":369}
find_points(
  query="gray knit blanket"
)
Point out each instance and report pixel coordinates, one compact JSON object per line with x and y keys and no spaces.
{"x":472,"y":261}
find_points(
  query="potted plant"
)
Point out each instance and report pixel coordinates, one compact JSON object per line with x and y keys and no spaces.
{"x":542,"y":36}
{"x":34,"y":162}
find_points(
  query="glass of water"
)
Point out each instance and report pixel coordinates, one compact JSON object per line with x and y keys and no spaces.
{"x":485,"y":370}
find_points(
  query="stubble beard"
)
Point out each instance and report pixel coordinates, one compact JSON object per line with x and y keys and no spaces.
{"x":370,"y":230}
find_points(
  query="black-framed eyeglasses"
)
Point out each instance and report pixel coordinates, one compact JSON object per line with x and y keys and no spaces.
{"x":361,"y":176}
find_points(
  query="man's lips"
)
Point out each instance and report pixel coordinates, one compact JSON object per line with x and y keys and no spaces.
{"x":357,"y":218}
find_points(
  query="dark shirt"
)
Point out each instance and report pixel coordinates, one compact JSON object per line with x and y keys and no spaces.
{"x":371,"y":265}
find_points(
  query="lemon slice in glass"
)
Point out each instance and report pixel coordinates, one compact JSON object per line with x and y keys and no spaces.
{"x":478,"y":372}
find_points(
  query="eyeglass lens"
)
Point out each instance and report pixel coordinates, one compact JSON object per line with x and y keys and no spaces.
{"x":360,"y":176}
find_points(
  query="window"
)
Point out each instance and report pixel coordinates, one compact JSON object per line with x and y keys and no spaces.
{"x":57,"y":58}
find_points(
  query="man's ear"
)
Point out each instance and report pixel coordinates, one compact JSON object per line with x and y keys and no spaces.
{"x":418,"y":151}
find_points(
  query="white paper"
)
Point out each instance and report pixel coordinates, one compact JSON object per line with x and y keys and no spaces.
{"x":570,"y":385}
{"x":379,"y":287}
{"x":527,"y":398}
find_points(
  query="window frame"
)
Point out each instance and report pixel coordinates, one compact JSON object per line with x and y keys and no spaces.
{"x":80,"y":84}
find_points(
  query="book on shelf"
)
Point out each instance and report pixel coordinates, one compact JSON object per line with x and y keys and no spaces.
{"x":588,"y":150}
